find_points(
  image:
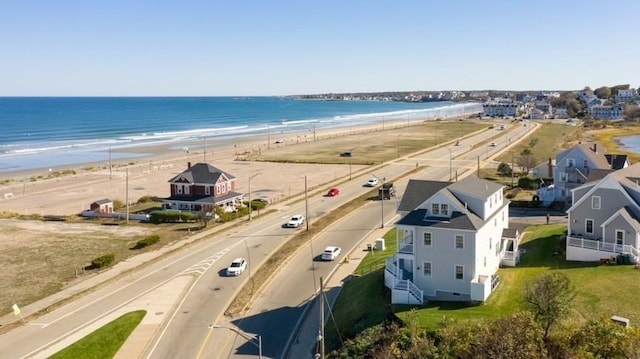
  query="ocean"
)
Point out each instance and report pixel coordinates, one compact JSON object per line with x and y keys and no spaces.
{"x":46,"y":132}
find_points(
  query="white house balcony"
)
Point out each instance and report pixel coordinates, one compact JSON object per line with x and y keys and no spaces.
{"x":589,"y":250}
{"x":406,"y":246}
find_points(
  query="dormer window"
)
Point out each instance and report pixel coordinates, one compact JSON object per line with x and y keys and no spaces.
{"x":444,"y":209}
{"x":435,"y":209}
{"x":595,"y":202}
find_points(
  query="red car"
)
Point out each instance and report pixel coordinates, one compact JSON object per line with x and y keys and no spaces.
{"x":333,"y":192}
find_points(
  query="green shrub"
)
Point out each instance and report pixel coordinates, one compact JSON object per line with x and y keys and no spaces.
{"x":528,"y":183}
{"x":170,"y":216}
{"x":118,"y":205}
{"x":147,"y":241}
{"x":145,"y":199}
{"x":103,"y":261}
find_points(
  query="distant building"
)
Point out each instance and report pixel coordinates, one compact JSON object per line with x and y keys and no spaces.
{"x":102,"y":206}
{"x":606,"y":112}
{"x":561,"y":112}
{"x":625,"y":95}
{"x":500,"y":108}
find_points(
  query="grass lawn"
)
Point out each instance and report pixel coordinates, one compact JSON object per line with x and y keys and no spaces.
{"x":602,"y":290}
{"x":549,"y":138}
{"x":376,"y":259}
{"x":362,"y":302}
{"x":389,"y":145}
{"x":104,"y":342}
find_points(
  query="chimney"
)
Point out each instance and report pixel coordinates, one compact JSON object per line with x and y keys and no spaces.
{"x":550,"y":167}
{"x":188,"y":164}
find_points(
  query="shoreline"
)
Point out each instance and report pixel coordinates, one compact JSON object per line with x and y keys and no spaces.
{"x":32,"y":193}
{"x":190,"y":150}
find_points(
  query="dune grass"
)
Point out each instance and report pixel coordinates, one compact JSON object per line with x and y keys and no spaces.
{"x":105,"y":342}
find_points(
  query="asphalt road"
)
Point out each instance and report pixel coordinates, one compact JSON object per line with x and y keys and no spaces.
{"x":277,"y":312}
{"x":192,"y":294}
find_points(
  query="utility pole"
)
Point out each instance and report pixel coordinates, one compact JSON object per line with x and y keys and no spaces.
{"x":321,"y":335}
{"x":127,"y":193}
{"x":306,"y":204}
{"x":110,"y":162}
{"x":478,"y":170}
{"x":511,"y":168}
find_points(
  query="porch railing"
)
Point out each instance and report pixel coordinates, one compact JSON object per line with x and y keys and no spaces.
{"x":406,"y":246}
{"x":407,"y":285}
{"x":602,"y":246}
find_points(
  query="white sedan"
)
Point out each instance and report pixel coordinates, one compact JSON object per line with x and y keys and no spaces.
{"x":331,"y":253}
{"x":237,"y":266}
{"x":372,"y":182}
{"x":295,"y":221}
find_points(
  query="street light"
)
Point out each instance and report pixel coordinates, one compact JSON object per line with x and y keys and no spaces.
{"x":250,"y":206}
{"x":248,"y":337}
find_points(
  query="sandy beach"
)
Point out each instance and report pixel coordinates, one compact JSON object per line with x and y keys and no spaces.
{"x":31,"y":192}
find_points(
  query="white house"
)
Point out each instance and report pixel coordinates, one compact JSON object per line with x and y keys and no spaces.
{"x":625,"y":95}
{"x":604,"y":219}
{"x":606,"y":112}
{"x":452,"y":238}
{"x":500,"y":108}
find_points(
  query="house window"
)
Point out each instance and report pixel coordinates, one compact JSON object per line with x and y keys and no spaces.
{"x":426,"y":268}
{"x":490,"y":202}
{"x":459,"y":272}
{"x":490,"y":244}
{"x":619,"y":237}
{"x":585,"y":163}
{"x":224,"y":187}
{"x":427,"y":239}
{"x":444,"y":209}
{"x":179,"y":189}
{"x":435,"y":209}
{"x":588,"y":226}
{"x":570,"y":162}
{"x":459,"y":242}
{"x":186,"y":189}
{"x":595,"y":202}
{"x":485,"y":262}
{"x":207,"y":190}
{"x":218,"y":189}
{"x":563,"y":176}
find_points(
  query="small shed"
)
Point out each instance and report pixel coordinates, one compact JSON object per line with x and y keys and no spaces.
{"x":102,"y":206}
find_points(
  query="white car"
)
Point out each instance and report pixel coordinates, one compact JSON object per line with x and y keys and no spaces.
{"x":372,"y":182}
{"x":280,"y":140}
{"x":331,"y":253}
{"x":295,"y":221}
{"x":237,"y":266}
{"x":493,"y":144}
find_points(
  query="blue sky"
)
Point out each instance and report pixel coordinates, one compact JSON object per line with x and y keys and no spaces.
{"x":216,"y":48}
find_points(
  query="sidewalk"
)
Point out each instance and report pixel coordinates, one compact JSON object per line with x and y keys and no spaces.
{"x":305,"y":343}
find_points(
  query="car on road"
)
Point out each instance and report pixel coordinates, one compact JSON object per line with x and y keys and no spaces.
{"x":371,"y":182}
{"x":346,"y":154}
{"x":330,"y":253}
{"x":493,"y":144}
{"x":238,"y":265}
{"x":295,"y":221}
{"x":280,"y":140}
{"x":333,"y":192}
